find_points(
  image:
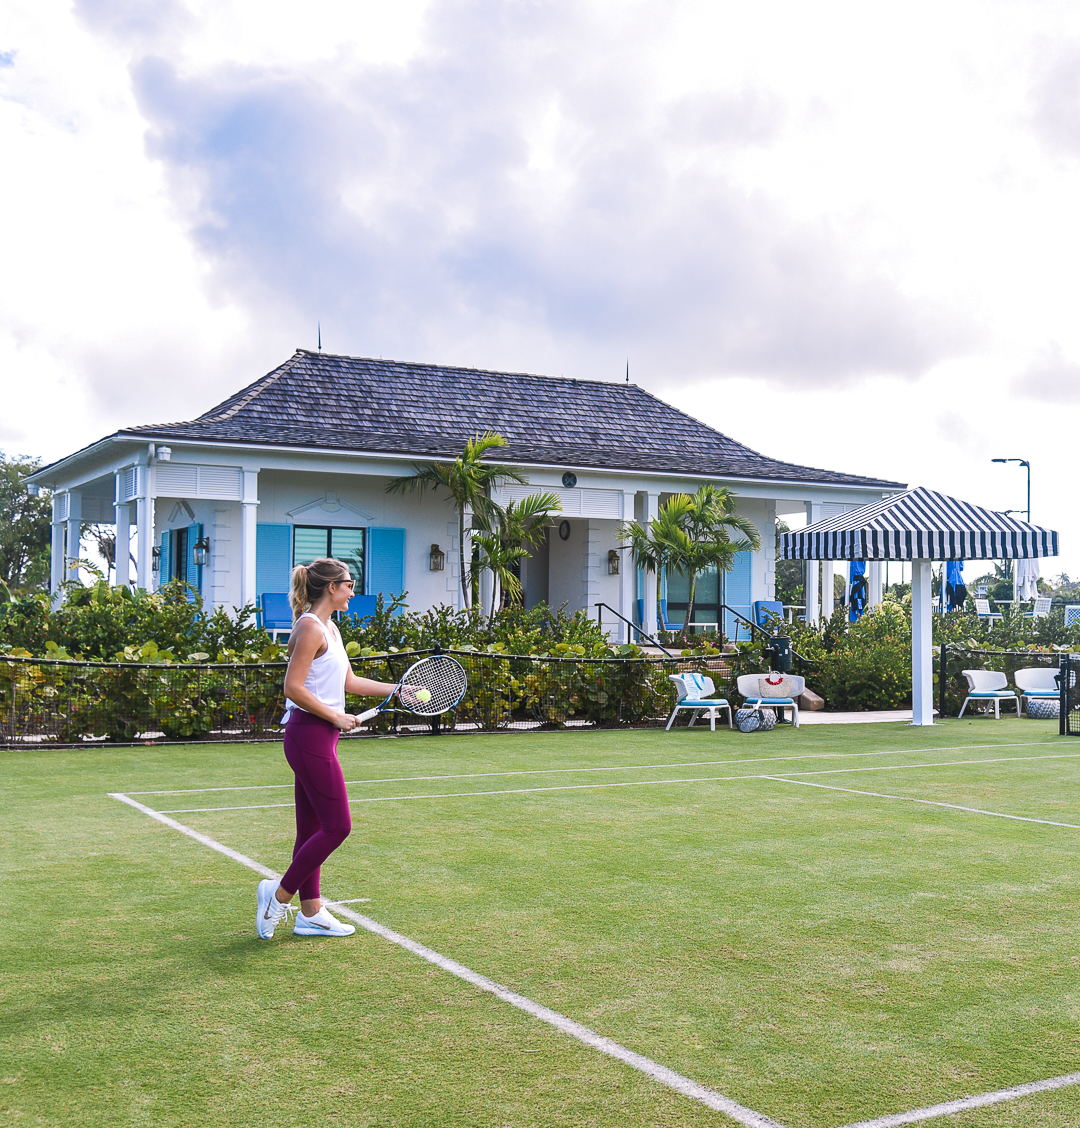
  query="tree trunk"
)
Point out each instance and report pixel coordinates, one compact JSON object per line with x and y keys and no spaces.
{"x":690,"y":604}
{"x":463,"y":574}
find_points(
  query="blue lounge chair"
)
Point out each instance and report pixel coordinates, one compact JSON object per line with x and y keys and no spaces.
{"x":765,"y":609}
{"x":275,"y":614}
{"x":362,"y":606}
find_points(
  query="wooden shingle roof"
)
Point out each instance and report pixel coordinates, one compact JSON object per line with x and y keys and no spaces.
{"x":428,"y":411}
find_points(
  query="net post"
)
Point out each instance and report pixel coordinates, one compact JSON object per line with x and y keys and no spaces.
{"x":941,"y":679}
{"x":1064,"y":666}
{"x":435,"y":728}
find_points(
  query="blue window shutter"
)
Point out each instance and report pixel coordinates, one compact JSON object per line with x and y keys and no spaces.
{"x":165,"y":560}
{"x":194,"y":572}
{"x":386,"y":562}
{"x":273,"y":559}
{"x":737,"y":594}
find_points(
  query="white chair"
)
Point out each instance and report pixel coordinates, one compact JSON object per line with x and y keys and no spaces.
{"x":982,"y":609}
{"x":987,"y":686}
{"x":1037,"y":682}
{"x":695,"y":692}
{"x":750,"y":688}
{"x":1041,"y":608}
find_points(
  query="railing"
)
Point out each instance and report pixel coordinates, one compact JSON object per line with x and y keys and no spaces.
{"x":632,"y":626}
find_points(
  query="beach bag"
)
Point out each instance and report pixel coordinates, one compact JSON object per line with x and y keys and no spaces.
{"x":1043,"y":708}
{"x":755,"y":720}
{"x":774,"y":685}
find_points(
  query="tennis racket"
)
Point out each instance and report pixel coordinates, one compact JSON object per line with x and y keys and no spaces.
{"x":429,"y":687}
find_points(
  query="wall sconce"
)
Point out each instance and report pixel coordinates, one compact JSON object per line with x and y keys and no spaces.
{"x":436,"y":559}
{"x":163,"y":454}
{"x":613,"y":561}
{"x":202,"y":551}
{"x":155,"y":563}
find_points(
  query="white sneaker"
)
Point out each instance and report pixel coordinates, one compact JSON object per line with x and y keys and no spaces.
{"x":321,"y":924}
{"x":270,"y":911}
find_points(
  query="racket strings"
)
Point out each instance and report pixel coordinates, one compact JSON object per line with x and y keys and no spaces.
{"x":443,"y":678}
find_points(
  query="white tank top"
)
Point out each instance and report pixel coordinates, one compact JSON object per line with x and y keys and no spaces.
{"x":326,"y":677}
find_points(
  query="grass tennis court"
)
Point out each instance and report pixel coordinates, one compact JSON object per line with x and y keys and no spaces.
{"x":819,"y":955}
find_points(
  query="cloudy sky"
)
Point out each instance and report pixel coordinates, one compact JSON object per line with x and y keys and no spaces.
{"x":845,"y":234}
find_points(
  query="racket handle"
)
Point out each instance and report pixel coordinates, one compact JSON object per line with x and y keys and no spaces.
{"x":366,"y":715}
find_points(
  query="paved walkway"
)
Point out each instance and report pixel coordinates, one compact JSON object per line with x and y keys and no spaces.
{"x":822,"y":718}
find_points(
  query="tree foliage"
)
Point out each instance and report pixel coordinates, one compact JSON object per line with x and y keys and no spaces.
{"x":25,"y":528}
{"x":692,"y":532}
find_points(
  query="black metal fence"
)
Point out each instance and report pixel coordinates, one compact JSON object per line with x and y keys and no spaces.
{"x":63,"y":702}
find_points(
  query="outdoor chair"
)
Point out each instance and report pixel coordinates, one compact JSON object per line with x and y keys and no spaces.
{"x":1041,"y":608}
{"x":665,"y":623}
{"x":988,"y":686}
{"x":1037,"y":682}
{"x":363,"y":606}
{"x":749,"y":687}
{"x":695,"y":692}
{"x":1072,"y":614}
{"x":766,"y":610}
{"x":275,"y":614}
{"x":982,"y":609}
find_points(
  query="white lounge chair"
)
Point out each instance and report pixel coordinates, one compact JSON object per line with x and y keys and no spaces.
{"x":1037,"y":682}
{"x":982,"y":609}
{"x":749,"y":687}
{"x":986,"y":686}
{"x":695,"y":692}
{"x":1041,"y":608}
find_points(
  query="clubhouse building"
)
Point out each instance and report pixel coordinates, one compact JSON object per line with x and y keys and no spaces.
{"x":295,"y":466}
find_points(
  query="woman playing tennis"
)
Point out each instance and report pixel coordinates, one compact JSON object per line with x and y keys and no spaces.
{"x":316,"y":681}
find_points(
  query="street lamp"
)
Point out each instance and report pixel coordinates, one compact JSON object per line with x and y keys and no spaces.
{"x":1023,"y":462}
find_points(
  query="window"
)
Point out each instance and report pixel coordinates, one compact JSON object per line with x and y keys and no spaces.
{"x":707,"y":597}
{"x":347,"y":545}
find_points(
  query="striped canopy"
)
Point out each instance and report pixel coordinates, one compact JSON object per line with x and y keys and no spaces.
{"x":919,"y":525}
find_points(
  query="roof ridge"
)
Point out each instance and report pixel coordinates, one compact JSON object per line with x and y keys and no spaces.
{"x":255,"y":389}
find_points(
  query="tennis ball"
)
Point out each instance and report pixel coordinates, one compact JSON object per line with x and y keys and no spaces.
{"x":423,"y":696}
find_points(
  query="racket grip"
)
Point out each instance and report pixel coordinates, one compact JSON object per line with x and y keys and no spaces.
{"x":366,"y":715}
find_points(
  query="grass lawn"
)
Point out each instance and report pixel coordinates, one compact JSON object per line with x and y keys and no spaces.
{"x":821,"y":955}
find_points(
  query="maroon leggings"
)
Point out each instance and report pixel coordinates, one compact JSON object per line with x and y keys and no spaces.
{"x":323,"y":821}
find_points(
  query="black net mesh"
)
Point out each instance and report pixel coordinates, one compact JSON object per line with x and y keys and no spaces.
{"x":56,"y":702}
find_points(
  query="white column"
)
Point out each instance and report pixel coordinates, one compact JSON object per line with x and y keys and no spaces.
{"x":652,"y":510}
{"x":828,"y":597}
{"x":74,"y":521}
{"x":144,"y":520}
{"x":249,"y":508}
{"x":922,"y":644}
{"x":812,"y":574}
{"x":591,"y":572}
{"x":627,"y":572}
{"x":874,"y":582}
{"x":123,"y":542}
{"x":56,"y":574}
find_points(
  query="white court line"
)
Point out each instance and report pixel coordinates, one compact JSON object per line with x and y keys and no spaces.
{"x":684,"y":1085}
{"x":950,"y":1108}
{"x":609,"y":768}
{"x":629,"y":783}
{"x":925,"y":802}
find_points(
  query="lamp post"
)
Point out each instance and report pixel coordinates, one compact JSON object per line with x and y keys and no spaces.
{"x":1027,"y":465}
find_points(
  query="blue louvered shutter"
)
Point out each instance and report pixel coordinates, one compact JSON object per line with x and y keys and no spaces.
{"x":194,"y":572}
{"x":165,"y":560}
{"x":386,"y":562}
{"x":737,"y":594}
{"x":273,"y":559}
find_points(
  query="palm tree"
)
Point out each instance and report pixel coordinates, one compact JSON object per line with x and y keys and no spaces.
{"x":506,"y":538}
{"x":692,"y":533}
{"x":469,"y":481}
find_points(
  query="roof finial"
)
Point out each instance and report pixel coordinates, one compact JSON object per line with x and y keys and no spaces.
{"x":319,"y":324}
{"x":628,"y":370}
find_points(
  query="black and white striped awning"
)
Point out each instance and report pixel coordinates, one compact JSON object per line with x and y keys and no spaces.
{"x":919,"y":525}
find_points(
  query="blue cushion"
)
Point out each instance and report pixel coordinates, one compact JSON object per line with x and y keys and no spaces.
{"x":769,"y":701}
{"x":994,"y":693}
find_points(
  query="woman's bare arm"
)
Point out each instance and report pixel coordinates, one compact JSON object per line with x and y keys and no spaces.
{"x":305,"y":642}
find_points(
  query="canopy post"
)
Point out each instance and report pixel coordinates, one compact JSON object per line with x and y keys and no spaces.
{"x":922,"y":643}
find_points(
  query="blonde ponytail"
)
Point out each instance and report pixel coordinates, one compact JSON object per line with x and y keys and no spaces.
{"x":310,"y":581}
